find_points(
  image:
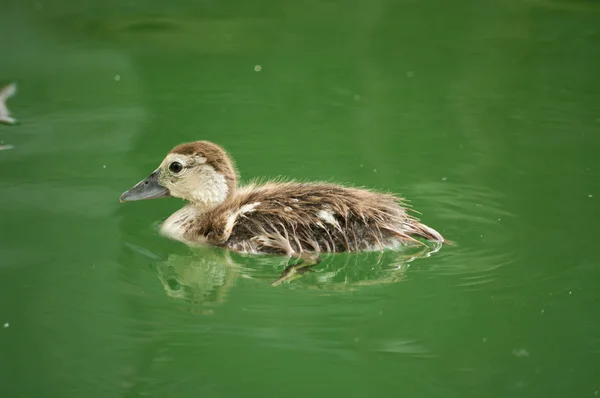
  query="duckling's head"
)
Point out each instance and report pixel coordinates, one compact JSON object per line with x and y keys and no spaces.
{"x":200,"y":172}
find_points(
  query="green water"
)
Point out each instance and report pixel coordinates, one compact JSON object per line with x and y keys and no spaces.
{"x":484,"y":114}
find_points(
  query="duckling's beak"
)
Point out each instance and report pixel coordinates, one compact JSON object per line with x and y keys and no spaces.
{"x":149,"y":188}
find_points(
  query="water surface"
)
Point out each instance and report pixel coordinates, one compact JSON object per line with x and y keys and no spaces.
{"x":483,"y":114}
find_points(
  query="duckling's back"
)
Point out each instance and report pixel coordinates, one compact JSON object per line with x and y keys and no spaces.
{"x":294,"y":217}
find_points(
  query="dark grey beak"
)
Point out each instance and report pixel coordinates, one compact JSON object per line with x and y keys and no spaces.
{"x":146,"y":189}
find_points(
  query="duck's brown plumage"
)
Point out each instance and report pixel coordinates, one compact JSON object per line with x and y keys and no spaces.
{"x":292,"y":217}
{"x":279,"y":217}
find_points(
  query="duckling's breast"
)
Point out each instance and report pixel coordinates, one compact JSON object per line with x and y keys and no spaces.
{"x":180,"y":223}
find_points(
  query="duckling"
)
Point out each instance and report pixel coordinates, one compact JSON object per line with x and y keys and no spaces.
{"x":297,"y":219}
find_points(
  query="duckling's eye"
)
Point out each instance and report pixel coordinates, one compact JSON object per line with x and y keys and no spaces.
{"x":175,"y":167}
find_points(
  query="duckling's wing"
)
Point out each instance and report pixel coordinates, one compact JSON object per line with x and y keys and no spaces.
{"x":293,"y":217}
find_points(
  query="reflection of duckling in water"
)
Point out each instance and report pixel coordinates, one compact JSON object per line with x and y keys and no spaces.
{"x":5,"y":93}
{"x":387,"y":267}
{"x":287,"y":218}
{"x":204,"y":279}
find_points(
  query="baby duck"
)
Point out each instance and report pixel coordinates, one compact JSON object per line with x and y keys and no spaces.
{"x":298,"y":219}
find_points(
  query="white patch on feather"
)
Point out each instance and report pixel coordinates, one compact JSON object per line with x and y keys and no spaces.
{"x":328,"y":217}
{"x":249,"y":208}
{"x":245,"y":209}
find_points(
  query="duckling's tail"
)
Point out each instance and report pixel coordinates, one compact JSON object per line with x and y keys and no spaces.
{"x":428,"y":233}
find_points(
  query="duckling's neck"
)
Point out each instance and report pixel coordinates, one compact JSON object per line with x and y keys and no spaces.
{"x":205,"y":204}
{"x":213,"y":191}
